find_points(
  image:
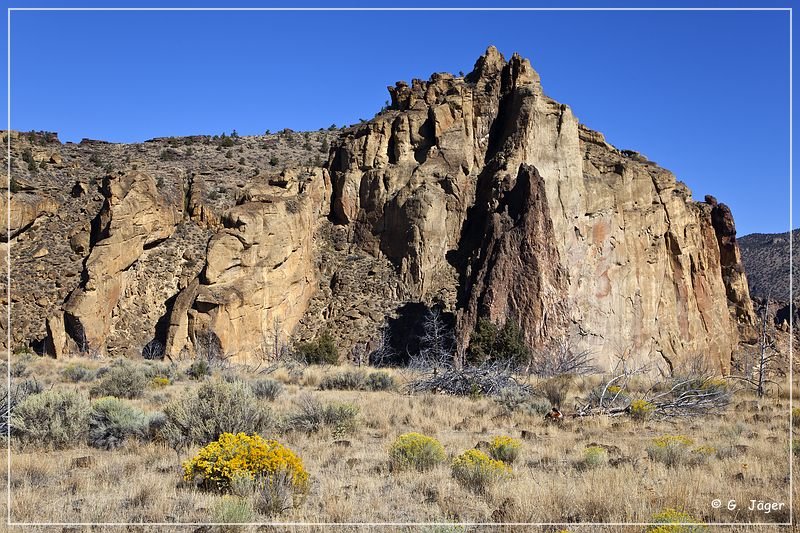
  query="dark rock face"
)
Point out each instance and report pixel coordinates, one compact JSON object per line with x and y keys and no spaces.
{"x":515,"y":272}
{"x":733,"y":272}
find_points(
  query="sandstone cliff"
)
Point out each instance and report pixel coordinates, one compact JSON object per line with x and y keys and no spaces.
{"x":478,"y":194}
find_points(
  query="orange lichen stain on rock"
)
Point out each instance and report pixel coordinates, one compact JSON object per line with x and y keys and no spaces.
{"x":603,"y":285}
{"x":599,"y":233}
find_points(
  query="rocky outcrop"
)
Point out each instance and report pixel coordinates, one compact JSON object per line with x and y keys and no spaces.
{"x":133,"y":218}
{"x":733,"y":272}
{"x":260,"y":270}
{"x":516,"y":251}
{"x":490,"y":198}
{"x":23,"y":211}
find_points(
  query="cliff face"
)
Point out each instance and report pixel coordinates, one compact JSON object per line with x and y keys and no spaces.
{"x":489,"y":196}
{"x":478,"y":194}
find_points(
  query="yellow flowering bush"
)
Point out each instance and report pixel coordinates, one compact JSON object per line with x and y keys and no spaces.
{"x":160,"y":382}
{"x":417,"y":451}
{"x":666,"y":441}
{"x":476,"y":470}
{"x":505,"y":449}
{"x":594,"y":456}
{"x":641,"y":409}
{"x":671,"y":450}
{"x":241,"y":455}
{"x":672,"y":521}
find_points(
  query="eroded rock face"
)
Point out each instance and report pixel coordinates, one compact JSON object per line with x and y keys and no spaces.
{"x":260,"y":270}
{"x":133,"y":217}
{"x":25,"y":209}
{"x":489,"y":197}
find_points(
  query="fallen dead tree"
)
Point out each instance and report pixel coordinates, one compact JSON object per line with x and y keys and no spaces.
{"x":676,"y":396}
{"x":435,"y":368}
{"x":487,"y":379}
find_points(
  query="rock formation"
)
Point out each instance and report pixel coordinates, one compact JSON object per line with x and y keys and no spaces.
{"x":453,"y":181}
{"x":260,"y":268}
{"x":477,"y":194}
{"x":133,"y":217}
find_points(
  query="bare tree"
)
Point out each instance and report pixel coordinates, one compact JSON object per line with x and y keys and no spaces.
{"x":436,"y":369}
{"x":560,"y":358}
{"x":358,"y":354}
{"x":272,"y":352}
{"x":153,"y":350}
{"x":757,"y":375}
{"x":611,"y":398}
{"x":437,"y":344}
{"x":383,"y":353}
{"x":208,"y":347}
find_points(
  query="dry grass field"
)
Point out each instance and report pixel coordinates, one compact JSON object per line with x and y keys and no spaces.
{"x":559,"y":475}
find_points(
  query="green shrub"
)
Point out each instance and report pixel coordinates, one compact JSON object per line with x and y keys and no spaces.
{"x":489,"y":342}
{"x":555,"y":389}
{"x":668,"y":521}
{"x":159,"y":382}
{"x":267,"y":389}
{"x":312,"y":415}
{"x":123,"y":380}
{"x":347,"y":380}
{"x":342,"y":417}
{"x":516,"y":400}
{"x":155,"y":424}
{"x":594,"y":456}
{"x":113,"y":421}
{"x":796,"y":447}
{"x":226,"y":142}
{"x":358,"y":380}
{"x":701,"y":454}
{"x":477,"y":471}
{"x":380,"y":381}
{"x":19,"y":369}
{"x":154,"y":369}
{"x":77,"y":373}
{"x":505,"y":449}
{"x":233,"y":510}
{"x":320,"y":351}
{"x":276,"y":494}
{"x":417,"y":451}
{"x":54,"y":419}
{"x":200,"y":416}
{"x":199,"y":369}
{"x":26,"y":387}
{"x":796,"y":416}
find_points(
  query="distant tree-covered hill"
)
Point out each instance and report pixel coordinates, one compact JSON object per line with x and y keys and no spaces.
{"x":766,"y":262}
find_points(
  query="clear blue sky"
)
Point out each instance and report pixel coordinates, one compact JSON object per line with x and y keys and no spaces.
{"x":704,"y":94}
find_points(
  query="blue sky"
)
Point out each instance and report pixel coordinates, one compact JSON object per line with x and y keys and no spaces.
{"x":704,"y":94}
